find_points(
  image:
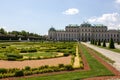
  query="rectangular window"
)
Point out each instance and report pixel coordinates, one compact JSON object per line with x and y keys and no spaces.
{"x":114,"y":35}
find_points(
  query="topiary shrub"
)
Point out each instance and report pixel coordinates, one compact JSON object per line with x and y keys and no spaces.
{"x":3,"y":46}
{"x":95,"y":43}
{"x":66,"y":54}
{"x":27,"y":68}
{"x":2,"y":70}
{"x":23,"y":50}
{"x":12,"y":56}
{"x":61,"y":65}
{"x":19,"y":73}
{"x":68,"y":67}
{"x":111,"y":44}
{"x":118,"y":43}
{"x":99,"y":43}
{"x":104,"y":43}
{"x":32,"y":50}
{"x":28,"y":72}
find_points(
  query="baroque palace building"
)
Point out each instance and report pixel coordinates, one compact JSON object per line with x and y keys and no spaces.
{"x":84,"y":32}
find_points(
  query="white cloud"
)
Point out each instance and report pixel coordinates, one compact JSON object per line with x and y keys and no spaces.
{"x":117,"y":1}
{"x":71,"y":11}
{"x":112,"y":20}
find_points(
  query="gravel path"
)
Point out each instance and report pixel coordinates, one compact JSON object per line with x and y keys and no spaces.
{"x":35,"y":63}
{"x":110,"y":54}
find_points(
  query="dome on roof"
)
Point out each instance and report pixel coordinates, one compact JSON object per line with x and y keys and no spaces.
{"x":52,"y":29}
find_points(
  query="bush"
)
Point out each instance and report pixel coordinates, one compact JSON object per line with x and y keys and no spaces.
{"x":12,"y":70}
{"x":111,"y":44}
{"x":95,"y":43}
{"x":3,"y":46}
{"x":99,"y":43}
{"x":66,"y":54}
{"x":23,"y":51}
{"x":43,"y":67}
{"x":104,"y":43}
{"x":92,"y":41}
{"x":32,"y":50}
{"x":118,"y":43}
{"x":2,"y":70}
{"x":68,"y":67}
{"x":28,"y":72}
{"x":19,"y":73}
{"x":27,"y":68}
{"x":11,"y":56}
{"x":61,"y":65}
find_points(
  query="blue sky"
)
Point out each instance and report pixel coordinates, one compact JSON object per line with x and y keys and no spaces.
{"x":38,"y":16}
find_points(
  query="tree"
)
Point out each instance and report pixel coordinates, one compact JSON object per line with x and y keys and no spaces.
{"x":104,"y":43}
{"x":99,"y":43}
{"x":111,"y":44}
{"x":92,"y":41}
{"x":24,"y":33}
{"x":95,"y":43}
{"x":2,"y":31}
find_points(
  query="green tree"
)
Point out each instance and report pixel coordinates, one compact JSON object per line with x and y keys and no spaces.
{"x":92,"y":41}
{"x":95,"y":43}
{"x":111,"y":44}
{"x":24,"y":33}
{"x":104,"y":43}
{"x":99,"y":43}
{"x":2,"y":31}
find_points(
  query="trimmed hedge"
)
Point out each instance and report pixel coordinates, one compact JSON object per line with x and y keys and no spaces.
{"x":111,"y":44}
{"x":19,"y":73}
{"x":13,"y":56}
{"x":28,"y":71}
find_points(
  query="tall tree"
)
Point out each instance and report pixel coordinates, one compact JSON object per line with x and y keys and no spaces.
{"x":99,"y":43}
{"x":111,"y":44}
{"x":2,"y":31}
{"x":104,"y":43}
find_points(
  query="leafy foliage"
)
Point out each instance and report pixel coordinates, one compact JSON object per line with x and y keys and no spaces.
{"x":19,"y":73}
{"x":104,"y":43}
{"x":99,"y":43}
{"x":111,"y":44}
{"x":11,"y":56}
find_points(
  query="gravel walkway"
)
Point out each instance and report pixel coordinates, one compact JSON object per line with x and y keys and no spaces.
{"x":35,"y":63}
{"x":110,"y":54}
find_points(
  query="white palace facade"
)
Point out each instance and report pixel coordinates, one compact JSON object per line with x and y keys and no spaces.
{"x":84,"y":32}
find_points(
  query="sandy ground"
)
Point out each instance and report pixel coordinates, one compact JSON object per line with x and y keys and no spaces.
{"x":35,"y":63}
{"x":110,"y":54}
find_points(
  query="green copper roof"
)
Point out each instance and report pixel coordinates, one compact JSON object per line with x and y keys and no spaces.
{"x":52,"y":29}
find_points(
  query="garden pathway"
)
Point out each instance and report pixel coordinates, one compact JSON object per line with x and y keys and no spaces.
{"x":35,"y":63}
{"x":76,"y":60}
{"x":110,"y":54}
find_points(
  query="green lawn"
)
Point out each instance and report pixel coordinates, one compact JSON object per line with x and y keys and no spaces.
{"x":97,"y":69}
